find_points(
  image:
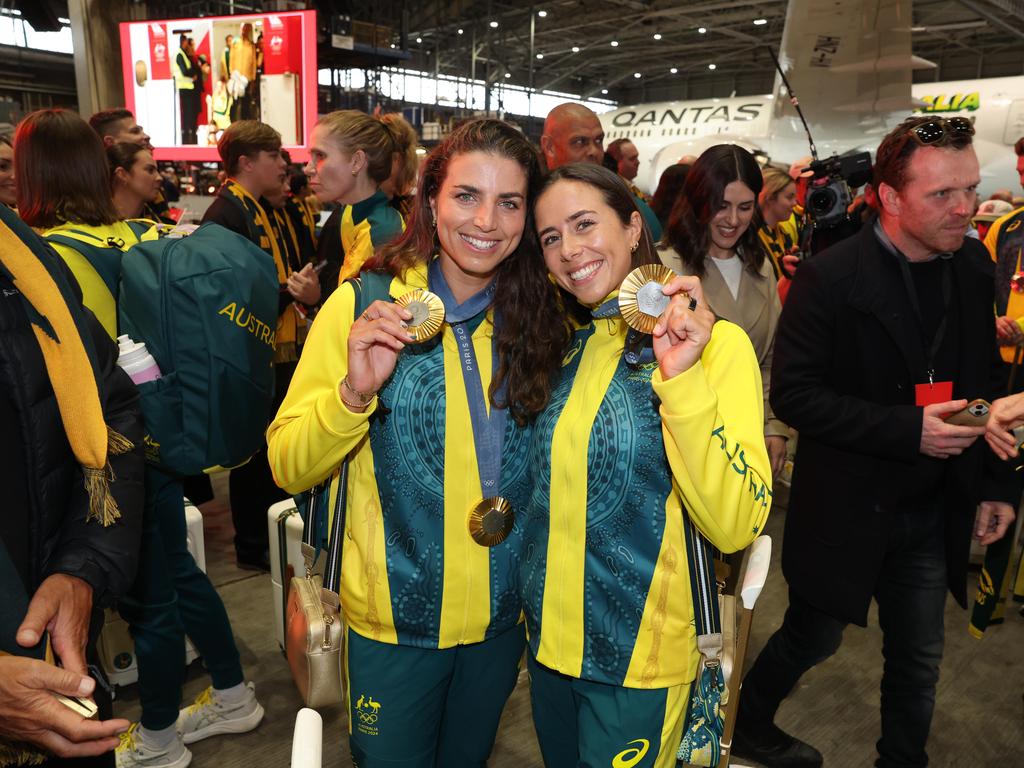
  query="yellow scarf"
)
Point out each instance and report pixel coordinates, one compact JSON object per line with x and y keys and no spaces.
{"x":70,"y":370}
{"x":268,"y":241}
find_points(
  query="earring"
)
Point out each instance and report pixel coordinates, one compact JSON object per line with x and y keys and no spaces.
{"x":355,"y":172}
{"x":635,"y":246}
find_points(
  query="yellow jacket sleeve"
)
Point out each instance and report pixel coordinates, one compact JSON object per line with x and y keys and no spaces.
{"x":313,"y":430}
{"x":712,"y":418}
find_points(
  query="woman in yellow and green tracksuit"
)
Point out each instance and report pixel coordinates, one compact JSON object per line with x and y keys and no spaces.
{"x":632,"y":440}
{"x":350,"y":157}
{"x":433,"y":614}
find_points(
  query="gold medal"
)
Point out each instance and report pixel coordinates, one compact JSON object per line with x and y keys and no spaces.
{"x":641,"y":300}
{"x":427,"y":314}
{"x":491,"y":521}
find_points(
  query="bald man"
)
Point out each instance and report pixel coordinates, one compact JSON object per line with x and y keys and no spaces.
{"x":573,"y":134}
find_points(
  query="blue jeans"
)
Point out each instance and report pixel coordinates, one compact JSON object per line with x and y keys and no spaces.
{"x":911,"y":597}
{"x":172,"y":597}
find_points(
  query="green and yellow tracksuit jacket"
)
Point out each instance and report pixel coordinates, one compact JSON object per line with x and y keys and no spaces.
{"x":411,"y":573}
{"x":365,"y":227}
{"x":778,"y":240}
{"x":1005,"y":243}
{"x":618,"y":457}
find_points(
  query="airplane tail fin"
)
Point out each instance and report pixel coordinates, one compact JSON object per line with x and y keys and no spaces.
{"x":849,"y":63}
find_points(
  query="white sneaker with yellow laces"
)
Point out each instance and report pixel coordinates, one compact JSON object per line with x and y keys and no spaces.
{"x":135,"y":751}
{"x":209,"y":715}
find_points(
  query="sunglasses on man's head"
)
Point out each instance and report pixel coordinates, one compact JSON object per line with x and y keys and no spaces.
{"x":938,"y":130}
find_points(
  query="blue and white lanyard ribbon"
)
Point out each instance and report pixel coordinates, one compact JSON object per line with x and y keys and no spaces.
{"x":488,"y":429}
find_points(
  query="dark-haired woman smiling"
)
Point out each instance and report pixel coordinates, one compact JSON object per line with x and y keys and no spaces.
{"x":712,"y":233}
{"x":627,"y":448}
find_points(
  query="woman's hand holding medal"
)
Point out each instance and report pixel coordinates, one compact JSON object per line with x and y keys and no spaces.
{"x":684,"y":328}
{"x":374,"y":342}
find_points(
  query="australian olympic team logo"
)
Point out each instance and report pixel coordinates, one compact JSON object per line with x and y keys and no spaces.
{"x":366,"y":714}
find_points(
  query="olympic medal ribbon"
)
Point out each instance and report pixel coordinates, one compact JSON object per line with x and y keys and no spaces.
{"x":488,"y":428}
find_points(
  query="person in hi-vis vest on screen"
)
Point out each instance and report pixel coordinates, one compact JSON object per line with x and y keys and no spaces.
{"x":186,"y":73}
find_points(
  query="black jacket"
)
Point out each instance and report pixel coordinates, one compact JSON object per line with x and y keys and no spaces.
{"x":60,"y":539}
{"x":847,"y":356}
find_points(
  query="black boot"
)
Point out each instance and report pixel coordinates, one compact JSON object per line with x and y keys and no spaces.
{"x":773,"y":748}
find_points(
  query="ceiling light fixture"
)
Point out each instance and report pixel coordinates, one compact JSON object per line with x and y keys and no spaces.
{"x":615,"y":43}
{"x":419,"y":39}
{"x":508,"y":75}
{"x":461,"y":31}
{"x":657,"y":35}
{"x":540,"y":55}
{"x":673,"y":70}
{"x":760,"y":22}
{"x":494,"y":25}
{"x":575,"y":49}
{"x":712,"y":66}
{"x":636,"y":75}
{"x":702,"y":30}
{"x":542,"y":14}
{"x":604,"y":91}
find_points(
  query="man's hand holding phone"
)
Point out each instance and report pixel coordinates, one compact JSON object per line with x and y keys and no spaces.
{"x":32,"y":710}
{"x":942,"y":440}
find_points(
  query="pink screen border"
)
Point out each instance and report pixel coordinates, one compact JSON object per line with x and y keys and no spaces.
{"x":299,"y":152}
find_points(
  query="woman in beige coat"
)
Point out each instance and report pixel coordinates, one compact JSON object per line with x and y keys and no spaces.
{"x":709,"y":234}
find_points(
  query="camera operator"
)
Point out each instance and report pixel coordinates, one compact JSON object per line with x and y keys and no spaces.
{"x":828,"y":203}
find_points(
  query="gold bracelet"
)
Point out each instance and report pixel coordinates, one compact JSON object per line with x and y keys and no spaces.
{"x":363,"y":398}
{"x":352,"y":406}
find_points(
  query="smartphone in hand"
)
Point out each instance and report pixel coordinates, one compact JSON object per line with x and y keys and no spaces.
{"x":974,"y":415}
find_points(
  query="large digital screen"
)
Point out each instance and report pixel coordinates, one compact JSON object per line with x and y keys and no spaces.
{"x":187,"y":80}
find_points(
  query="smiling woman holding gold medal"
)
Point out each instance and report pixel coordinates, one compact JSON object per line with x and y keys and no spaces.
{"x":409,"y":391}
{"x":656,"y":419}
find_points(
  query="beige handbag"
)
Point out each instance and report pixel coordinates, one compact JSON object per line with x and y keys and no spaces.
{"x":313,"y":637}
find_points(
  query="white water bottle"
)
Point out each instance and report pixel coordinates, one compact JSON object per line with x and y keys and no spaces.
{"x":136,"y":361}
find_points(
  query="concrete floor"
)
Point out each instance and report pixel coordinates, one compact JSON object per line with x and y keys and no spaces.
{"x":978,"y":722}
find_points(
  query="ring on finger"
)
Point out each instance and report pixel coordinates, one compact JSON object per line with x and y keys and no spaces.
{"x":693,"y":304}
{"x":366,"y":316}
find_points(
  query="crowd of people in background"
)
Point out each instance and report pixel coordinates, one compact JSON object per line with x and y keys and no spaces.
{"x":834,"y":372}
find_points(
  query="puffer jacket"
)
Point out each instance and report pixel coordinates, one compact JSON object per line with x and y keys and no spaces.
{"x":61,"y":540}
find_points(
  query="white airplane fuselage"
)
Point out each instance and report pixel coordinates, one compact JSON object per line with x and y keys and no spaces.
{"x":666,"y":131}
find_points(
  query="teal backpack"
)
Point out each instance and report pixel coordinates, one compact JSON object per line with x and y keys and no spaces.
{"x":206,"y":306}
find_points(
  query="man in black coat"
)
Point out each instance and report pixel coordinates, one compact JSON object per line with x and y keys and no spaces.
{"x":883,"y":337}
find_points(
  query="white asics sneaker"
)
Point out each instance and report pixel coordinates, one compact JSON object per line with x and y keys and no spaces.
{"x":135,"y":751}
{"x":208,"y":716}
